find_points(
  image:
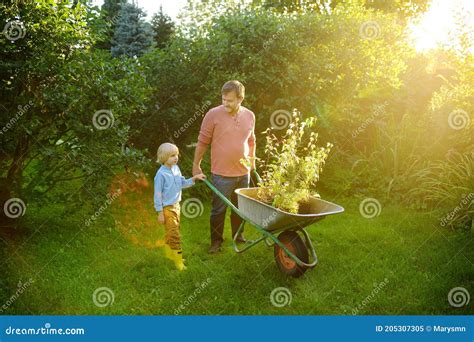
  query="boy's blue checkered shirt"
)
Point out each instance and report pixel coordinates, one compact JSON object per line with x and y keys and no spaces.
{"x":168,"y":185}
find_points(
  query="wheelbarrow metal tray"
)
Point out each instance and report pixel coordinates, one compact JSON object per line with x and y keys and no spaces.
{"x":274,"y":219}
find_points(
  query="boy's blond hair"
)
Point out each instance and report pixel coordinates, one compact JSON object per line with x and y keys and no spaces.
{"x":165,"y":151}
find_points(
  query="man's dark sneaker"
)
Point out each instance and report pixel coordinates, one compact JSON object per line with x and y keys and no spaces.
{"x":215,"y":248}
{"x":240,"y":239}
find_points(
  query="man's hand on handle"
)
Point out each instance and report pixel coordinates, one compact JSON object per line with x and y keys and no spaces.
{"x":196,"y":170}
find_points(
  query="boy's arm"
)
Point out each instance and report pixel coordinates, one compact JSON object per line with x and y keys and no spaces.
{"x":158,"y":195}
{"x":186,"y":183}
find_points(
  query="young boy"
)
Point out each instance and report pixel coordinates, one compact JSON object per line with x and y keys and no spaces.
{"x":167,"y":195}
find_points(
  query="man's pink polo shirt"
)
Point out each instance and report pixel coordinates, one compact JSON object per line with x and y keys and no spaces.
{"x":230,"y":138}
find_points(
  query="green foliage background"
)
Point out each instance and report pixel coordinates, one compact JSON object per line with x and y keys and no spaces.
{"x":384,"y":106}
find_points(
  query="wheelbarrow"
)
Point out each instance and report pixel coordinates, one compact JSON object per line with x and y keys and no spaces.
{"x":293,"y":254}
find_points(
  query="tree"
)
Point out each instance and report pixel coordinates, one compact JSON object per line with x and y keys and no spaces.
{"x":406,"y":8}
{"x":110,"y":13}
{"x":112,"y":8}
{"x":133,"y":36}
{"x":163,"y":28}
{"x":55,"y":99}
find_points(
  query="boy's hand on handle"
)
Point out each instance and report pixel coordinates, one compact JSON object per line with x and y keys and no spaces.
{"x":200,"y":176}
{"x":161,"y":218}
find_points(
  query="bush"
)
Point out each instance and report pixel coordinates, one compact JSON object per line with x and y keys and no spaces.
{"x":448,"y":184}
{"x":294,"y":165}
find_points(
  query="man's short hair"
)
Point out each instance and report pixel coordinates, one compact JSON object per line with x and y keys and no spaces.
{"x":234,"y":86}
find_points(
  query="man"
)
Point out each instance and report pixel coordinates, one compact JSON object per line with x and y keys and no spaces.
{"x":230,"y":130}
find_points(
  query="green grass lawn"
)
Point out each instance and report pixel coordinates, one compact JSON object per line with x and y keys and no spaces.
{"x":418,"y":261}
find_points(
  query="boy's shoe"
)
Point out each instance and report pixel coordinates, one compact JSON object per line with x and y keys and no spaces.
{"x":168,"y":252}
{"x":178,"y":259}
{"x":175,"y":255}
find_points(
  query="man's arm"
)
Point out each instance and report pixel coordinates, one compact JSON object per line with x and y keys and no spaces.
{"x":204,"y":140}
{"x":252,"y":142}
{"x":252,"y":156}
{"x":201,"y":149}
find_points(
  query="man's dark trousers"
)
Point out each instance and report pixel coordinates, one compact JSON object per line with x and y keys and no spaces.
{"x":226,"y":185}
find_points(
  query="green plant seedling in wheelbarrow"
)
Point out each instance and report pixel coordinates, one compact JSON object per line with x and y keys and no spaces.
{"x":291,"y":251}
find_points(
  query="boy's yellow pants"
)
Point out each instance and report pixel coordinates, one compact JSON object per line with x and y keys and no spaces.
{"x":172,"y":234}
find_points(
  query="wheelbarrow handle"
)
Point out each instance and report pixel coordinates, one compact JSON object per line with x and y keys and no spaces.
{"x":225,"y":199}
{"x":220,"y":195}
{"x":257,"y":176}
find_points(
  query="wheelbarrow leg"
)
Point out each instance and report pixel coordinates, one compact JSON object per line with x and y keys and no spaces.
{"x":248,"y":245}
{"x":237,"y":234}
{"x":241,"y":227}
{"x":311,"y":248}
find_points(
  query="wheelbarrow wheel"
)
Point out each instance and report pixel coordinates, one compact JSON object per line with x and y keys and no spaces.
{"x":295,"y":245}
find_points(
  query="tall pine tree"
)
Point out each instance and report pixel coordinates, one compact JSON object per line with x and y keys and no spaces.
{"x":163,"y":28}
{"x":110,"y":14}
{"x":133,"y":36}
{"x":112,"y":9}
